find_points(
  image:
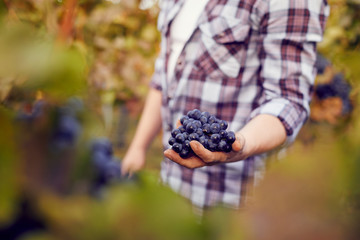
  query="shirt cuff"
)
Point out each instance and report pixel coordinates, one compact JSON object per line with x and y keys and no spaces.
{"x":155,"y":84}
{"x":291,"y":115}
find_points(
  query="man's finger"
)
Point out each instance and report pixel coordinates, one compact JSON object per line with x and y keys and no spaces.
{"x":178,"y":123}
{"x":201,"y":151}
{"x":191,"y":162}
{"x":239,"y":143}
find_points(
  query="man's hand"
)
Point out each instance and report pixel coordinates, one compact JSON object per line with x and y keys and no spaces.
{"x":204,"y":157}
{"x":133,"y":161}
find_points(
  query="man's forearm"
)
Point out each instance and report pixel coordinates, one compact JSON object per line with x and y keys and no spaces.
{"x":263,"y":133}
{"x":150,"y":121}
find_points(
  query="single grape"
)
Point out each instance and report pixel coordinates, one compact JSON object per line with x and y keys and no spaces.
{"x":212,"y":119}
{"x":184,"y":153}
{"x":197,"y":123}
{"x":180,"y":138}
{"x":211,"y":145}
{"x":202,"y":140}
{"x":199,"y":132}
{"x":175,"y":132}
{"x":186,"y":122}
{"x":215,"y":138}
{"x":196,"y":114}
{"x":186,"y":144}
{"x":177,"y":147}
{"x":223,"y":134}
{"x":190,"y":128}
{"x":203,"y":119}
{"x":223,"y":124}
{"x":183,"y":118}
{"x":193,"y":136}
{"x":182,"y":129}
{"x":205,"y":114}
{"x":186,"y":135}
{"x":215,"y":128}
{"x":172,"y":140}
{"x":206,"y":128}
{"x":230,"y":138}
{"x":224,"y":146}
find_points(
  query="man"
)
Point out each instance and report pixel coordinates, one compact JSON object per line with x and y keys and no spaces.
{"x":249,"y":62}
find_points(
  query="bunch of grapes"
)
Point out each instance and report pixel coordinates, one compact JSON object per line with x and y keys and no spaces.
{"x":204,"y":128}
{"x":106,"y":165}
{"x":337,"y":86}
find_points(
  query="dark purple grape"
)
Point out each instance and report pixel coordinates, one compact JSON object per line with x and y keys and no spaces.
{"x":182,"y":129}
{"x":175,"y":132}
{"x":180,"y":138}
{"x":186,"y":135}
{"x":205,"y":114}
{"x":224,"y":146}
{"x":215,"y":128}
{"x":197,"y":123}
{"x":190,"y":128}
{"x":196,"y":114}
{"x":193,"y":136}
{"x":215,"y":138}
{"x":186,"y":122}
{"x":202,"y":140}
{"x":183,"y":118}
{"x":184,"y":153}
{"x":206,"y":128}
{"x":212,"y":119}
{"x":230,"y":138}
{"x":190,"y":114}
{"x":186,"y":144}
{"x":172,"y":140}
{"x":223,"y":134}
{"x":203,"y":119}
{"x":212,"y":146}
{"x":199,"y":132}
{"x":223,"y":124}
{"x":177,"y":147}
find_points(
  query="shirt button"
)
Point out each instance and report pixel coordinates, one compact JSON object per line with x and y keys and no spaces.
{"x":180,"y":63}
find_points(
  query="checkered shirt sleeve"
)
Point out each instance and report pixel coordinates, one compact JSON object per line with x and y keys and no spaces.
{"x":289,"y":33}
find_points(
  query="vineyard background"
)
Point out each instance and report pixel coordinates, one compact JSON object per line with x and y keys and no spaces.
{"x":75,"y":73}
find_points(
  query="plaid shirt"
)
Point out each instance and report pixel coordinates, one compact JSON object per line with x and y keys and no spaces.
{"x":245,"y":58}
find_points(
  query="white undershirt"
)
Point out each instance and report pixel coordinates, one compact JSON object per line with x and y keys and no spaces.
{"x":181,"y":29}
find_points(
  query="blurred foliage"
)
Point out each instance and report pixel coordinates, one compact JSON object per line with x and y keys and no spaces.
{"x":102,"y":53}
